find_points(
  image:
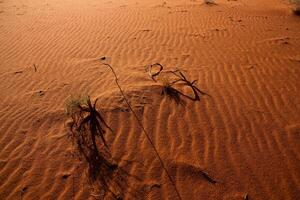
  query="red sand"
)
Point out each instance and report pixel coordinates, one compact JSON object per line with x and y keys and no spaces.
{"x":245,"y":54}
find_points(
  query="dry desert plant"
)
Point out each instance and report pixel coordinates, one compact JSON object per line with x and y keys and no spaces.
{"x":179,"y":78}
{"x":140,"y":123}
{"x":86,"y":118}
{"x":86,"y":127}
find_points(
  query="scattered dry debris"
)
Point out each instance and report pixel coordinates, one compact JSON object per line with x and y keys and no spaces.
{"x":249,"y":67}
{"x":41,"y":93}
{"x":246,"y":197}
{"x":155,"y":186}
{"x":208,"y":178}
{"x":210,"y":2}
{"x":24,"y":189}
{"x":35,"y":67}
{"x":18,"y":72}
{"x":65,"y":176}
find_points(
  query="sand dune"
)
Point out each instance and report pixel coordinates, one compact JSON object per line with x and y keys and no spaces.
{"x":245,"y":135}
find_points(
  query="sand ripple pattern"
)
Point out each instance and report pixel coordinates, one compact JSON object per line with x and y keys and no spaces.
{"x":244,"y":54}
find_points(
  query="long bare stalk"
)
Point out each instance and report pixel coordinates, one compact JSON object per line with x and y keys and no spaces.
{"x":144,"y":131}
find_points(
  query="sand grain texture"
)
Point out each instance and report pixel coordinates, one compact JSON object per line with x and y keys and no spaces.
{"x":245,"y":55}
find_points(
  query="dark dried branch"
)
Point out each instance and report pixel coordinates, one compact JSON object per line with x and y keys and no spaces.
{"x":154,"y":74}
{"x":142,"y":127}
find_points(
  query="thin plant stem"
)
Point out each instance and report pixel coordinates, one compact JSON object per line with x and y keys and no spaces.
{"x":144,"y":131}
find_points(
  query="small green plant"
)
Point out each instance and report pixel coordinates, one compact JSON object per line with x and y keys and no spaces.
{"x":73,"y":104}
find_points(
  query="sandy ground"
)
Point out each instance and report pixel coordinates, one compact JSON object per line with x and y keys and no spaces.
{"x":245,"y":55}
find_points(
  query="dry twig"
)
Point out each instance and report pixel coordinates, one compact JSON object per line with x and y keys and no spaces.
{"x":144,"y":130}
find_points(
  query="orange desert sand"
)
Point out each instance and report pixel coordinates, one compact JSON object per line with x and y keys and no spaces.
{"x":245,"y":135}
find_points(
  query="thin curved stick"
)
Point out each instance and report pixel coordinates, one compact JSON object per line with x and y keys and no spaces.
{"x":144,"y":131}
{"x":152,"y":75}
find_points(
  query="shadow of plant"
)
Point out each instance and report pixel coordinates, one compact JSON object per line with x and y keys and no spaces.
{"x":178,"y":79}
{"x":172,"y":93}
{"x":88,"y":129}
{"x":110,"y":181}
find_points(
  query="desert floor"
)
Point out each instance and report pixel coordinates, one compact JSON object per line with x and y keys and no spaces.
{"x":245,"y":135}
